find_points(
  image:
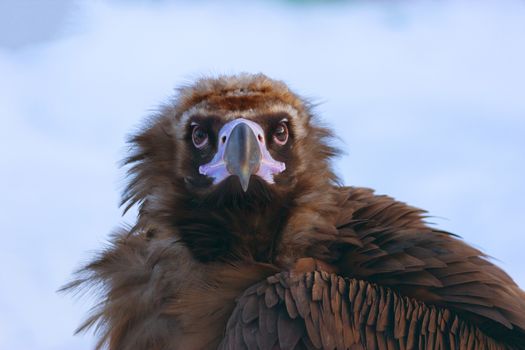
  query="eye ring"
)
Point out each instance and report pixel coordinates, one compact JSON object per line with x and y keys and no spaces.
{"x":199,"y":137}
{"x":280,"y":135}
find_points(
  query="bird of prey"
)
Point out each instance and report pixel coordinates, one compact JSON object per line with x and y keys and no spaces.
{"x":245,"y":239}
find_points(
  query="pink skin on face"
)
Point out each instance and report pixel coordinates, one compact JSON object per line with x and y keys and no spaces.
{"x":216,"y":169}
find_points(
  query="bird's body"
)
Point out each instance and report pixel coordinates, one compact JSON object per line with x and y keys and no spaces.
{"x":246,"y":240}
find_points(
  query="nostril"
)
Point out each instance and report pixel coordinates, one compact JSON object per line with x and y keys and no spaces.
{"x":224,"y":139}
{"x":260,"y":138}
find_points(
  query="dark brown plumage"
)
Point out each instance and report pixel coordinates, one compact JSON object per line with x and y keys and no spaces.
{"x":319,"y":310}
{"x":245,"y":239}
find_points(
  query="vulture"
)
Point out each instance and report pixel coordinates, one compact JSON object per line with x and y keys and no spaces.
{"x":246,"y":239}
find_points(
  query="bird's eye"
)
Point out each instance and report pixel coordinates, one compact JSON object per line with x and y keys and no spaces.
{"x":280,"y":135}
{"x":199,"y":137}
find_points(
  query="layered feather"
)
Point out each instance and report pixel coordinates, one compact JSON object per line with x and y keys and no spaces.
{"x":317,"y":310}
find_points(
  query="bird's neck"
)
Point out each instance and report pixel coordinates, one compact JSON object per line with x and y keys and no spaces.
{"x":232,"y":233}
{"x":276,"y":230}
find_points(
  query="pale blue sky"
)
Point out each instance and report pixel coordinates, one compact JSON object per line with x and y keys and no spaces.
{"x":427,"y":98}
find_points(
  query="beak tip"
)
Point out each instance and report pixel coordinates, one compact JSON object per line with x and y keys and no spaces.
{"x":245,"y":183}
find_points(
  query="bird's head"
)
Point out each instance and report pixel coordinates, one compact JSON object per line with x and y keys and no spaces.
{"x":228,"y":141}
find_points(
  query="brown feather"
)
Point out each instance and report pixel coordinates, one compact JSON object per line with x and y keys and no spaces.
{"x":180,"y":277}
{"x":429,"y":327}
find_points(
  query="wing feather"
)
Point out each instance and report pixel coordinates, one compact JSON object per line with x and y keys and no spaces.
{"x":400,"y":251}
{"x":348,"y":314}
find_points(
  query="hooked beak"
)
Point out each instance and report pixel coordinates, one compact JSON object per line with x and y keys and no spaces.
{"x":242,"y":155}
{"x":242,"y":152}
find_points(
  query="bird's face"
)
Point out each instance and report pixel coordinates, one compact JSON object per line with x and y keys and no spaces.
{"x":234,"y":140}
{"x":239,"y":154}
{"x":242,"y":151}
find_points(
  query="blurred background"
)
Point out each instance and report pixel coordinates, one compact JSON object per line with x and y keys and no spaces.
{"x":427,"y":98}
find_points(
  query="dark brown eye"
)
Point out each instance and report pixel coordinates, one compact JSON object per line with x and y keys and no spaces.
{"x":280,"y":135}
{"x":199,"y":136}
